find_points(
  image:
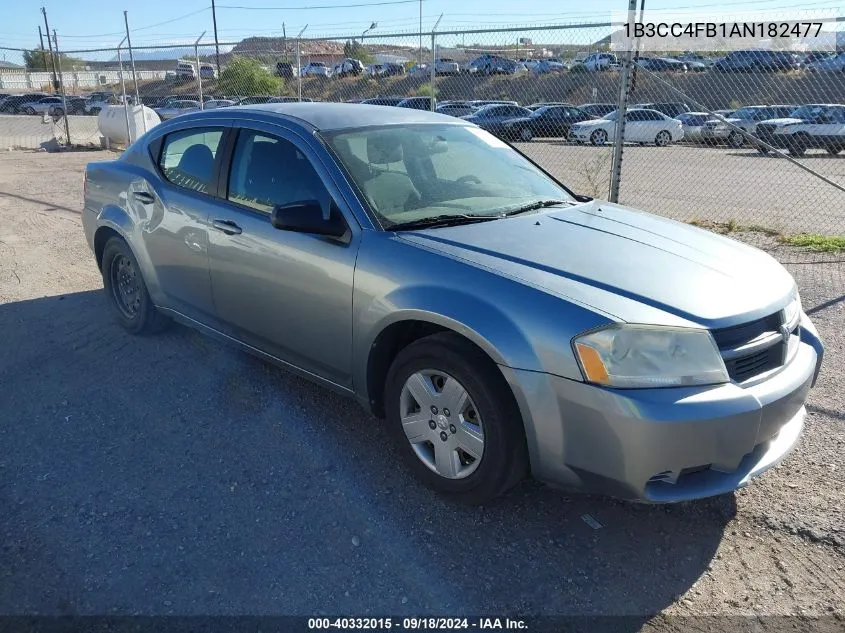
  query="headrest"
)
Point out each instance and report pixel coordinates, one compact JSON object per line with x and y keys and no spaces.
{"x":383,"y":149}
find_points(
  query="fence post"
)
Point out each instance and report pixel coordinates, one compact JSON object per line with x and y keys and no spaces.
{"x":199,"y":70}
{"x":621,"y":111}
{"x":433,"y":71}
{"x":62,"y":88}
{"x":299,"y":63}
{"x":123,"y":93}
{"x":131,"y":56}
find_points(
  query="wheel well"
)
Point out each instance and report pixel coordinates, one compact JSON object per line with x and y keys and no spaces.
{"x":100,"y":238}
{"x":387,"y":345}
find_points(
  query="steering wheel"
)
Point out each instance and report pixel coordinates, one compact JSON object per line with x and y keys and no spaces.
{"x":469,"y":178}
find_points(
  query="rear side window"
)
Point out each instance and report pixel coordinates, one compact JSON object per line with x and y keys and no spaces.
{"x":187,"y":158}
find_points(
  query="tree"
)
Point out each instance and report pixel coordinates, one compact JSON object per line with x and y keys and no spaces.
{"x":356,"y":50}
{"x":246,"y":76}
{"x":40,"y":60}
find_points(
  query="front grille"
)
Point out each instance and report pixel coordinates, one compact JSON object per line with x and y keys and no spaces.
{"x":767,"y":348}
{"x":743,"y":368}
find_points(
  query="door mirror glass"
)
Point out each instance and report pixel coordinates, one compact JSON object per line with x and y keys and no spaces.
{"x":306,"y":216}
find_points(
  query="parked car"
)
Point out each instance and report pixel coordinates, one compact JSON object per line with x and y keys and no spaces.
{"x":13,"y":103}
{"x":661,"y":64}
{"x":212,"y":104}
{"x":95,"y":103}
{"x":492,"y":117}
{"x":598,"y":110}
{"x":419,"y":70}
{"x":816,"y":126}
{"x":74,"y":105}
{"x":641,"y":126}
{"x":494,"y":65}
{"x":831,"y":64}
{"x":349,"y":68}
{"x":548,"y":121}
{"x":391,"y":69}
{"x":542,"y":104}
{"x":41,"y":106}
{"x":546,"y":67}
{"x":255,"y":99}
{"x":384,"y":101}
{"x":600,"y":61}
{"x":756,"y":60}
{"x":716,"y":131}
{"x":176,"y":108}
{"x":670,"y":109}
{"x":208,"y":71}
{"x":285,"y":70}
{"x":456,"y":108}
{"x":696,"y":58}
{"x":416,"y":103}
{"x":315,"y":69}
{"x":446,"y":66}
{"x":691,"y":123}
{"x":480,"y":103}
{"x":491,"y":316}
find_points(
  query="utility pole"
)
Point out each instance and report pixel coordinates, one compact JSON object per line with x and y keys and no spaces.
{"x":50,"y":45}
{"x":216,"y":43}
{"x":132,"y":58}
{"x":43,"y":54}
{"x":62,"y":88}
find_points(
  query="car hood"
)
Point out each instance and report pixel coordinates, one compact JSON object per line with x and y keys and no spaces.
{"x":593,"y":123}
{"x":519,"y":119}
{"x":625,"y":263}
{"x":784,"y":121}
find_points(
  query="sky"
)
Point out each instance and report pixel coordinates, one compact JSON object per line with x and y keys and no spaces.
{"x":82,"y":24}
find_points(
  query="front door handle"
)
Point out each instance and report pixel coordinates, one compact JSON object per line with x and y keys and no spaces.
{"x":144,"y":197}
{"x":227,"y":226}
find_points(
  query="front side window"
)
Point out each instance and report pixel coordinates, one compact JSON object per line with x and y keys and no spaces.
{"x":187,"y":158}
{"x":268,"y":171}
{"x":414,"y":172}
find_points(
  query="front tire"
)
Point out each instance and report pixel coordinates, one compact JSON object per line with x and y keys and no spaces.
{"x":455,"y":419}
{"x":663,"y":138}
{"x":126,"y":291}
{"x":525,"y":135}
{"x":736,"y":140}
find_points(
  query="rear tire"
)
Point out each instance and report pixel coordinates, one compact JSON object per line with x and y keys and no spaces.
{"x":736,"y":140}
{"x":525,"y":135}
{"x":797,"y":146}
{"x":489,"y":411}
{"x":599,"y":137}
{"x":126,"y":291}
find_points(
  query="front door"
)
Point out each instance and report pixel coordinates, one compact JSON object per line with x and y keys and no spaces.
{"x":288,"y":294}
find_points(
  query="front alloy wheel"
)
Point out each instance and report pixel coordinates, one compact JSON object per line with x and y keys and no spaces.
{"x":599,"y":137}
{"x":525,"y":134}
{"x":662,"y":139}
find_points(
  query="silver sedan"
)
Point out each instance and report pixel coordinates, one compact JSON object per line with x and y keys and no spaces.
{"x":499,"y":322}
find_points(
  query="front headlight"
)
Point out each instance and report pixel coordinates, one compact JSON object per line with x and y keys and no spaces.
{"x":644,"y":356}
{"x":792,"y":312}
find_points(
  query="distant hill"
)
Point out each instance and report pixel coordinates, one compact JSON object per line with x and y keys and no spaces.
{"x":166,"y":53}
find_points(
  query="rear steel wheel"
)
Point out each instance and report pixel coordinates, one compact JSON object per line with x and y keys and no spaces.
{"x":125,"y":286}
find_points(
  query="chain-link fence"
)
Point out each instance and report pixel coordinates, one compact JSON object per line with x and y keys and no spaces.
{"x":756,"y":150}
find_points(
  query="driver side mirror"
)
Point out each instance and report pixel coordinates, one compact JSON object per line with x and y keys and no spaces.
{"x":306,"y":216}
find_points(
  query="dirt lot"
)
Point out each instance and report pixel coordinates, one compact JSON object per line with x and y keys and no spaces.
{"x":174,"y":475}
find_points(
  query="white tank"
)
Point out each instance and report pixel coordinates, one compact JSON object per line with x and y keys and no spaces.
{"x":112,"y":122}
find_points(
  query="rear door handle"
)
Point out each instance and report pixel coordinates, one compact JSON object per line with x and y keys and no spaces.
{"x":143,"y":196}
{"x":227,"y":226}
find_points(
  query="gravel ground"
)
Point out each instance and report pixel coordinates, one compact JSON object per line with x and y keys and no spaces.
{"x":175,"y":475}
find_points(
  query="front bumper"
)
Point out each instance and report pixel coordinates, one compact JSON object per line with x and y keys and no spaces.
{"x":664,"y":445}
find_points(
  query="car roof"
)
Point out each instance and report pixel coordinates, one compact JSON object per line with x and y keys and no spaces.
{"x":336,"y":116}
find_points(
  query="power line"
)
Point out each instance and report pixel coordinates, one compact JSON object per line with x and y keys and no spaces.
{"x":326,"y":6}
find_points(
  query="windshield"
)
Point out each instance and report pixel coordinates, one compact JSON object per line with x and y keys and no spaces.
{"x":807,"y":112}
{"x":414,"y":172}
{"x":745,"y":113}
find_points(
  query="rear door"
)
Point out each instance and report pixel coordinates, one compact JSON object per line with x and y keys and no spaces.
{"x":288,"y":294}
{"x":174,"y":210}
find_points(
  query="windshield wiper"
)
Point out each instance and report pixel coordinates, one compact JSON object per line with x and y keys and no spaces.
{"x":533,"y":206}
{"x":441,"y":220}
